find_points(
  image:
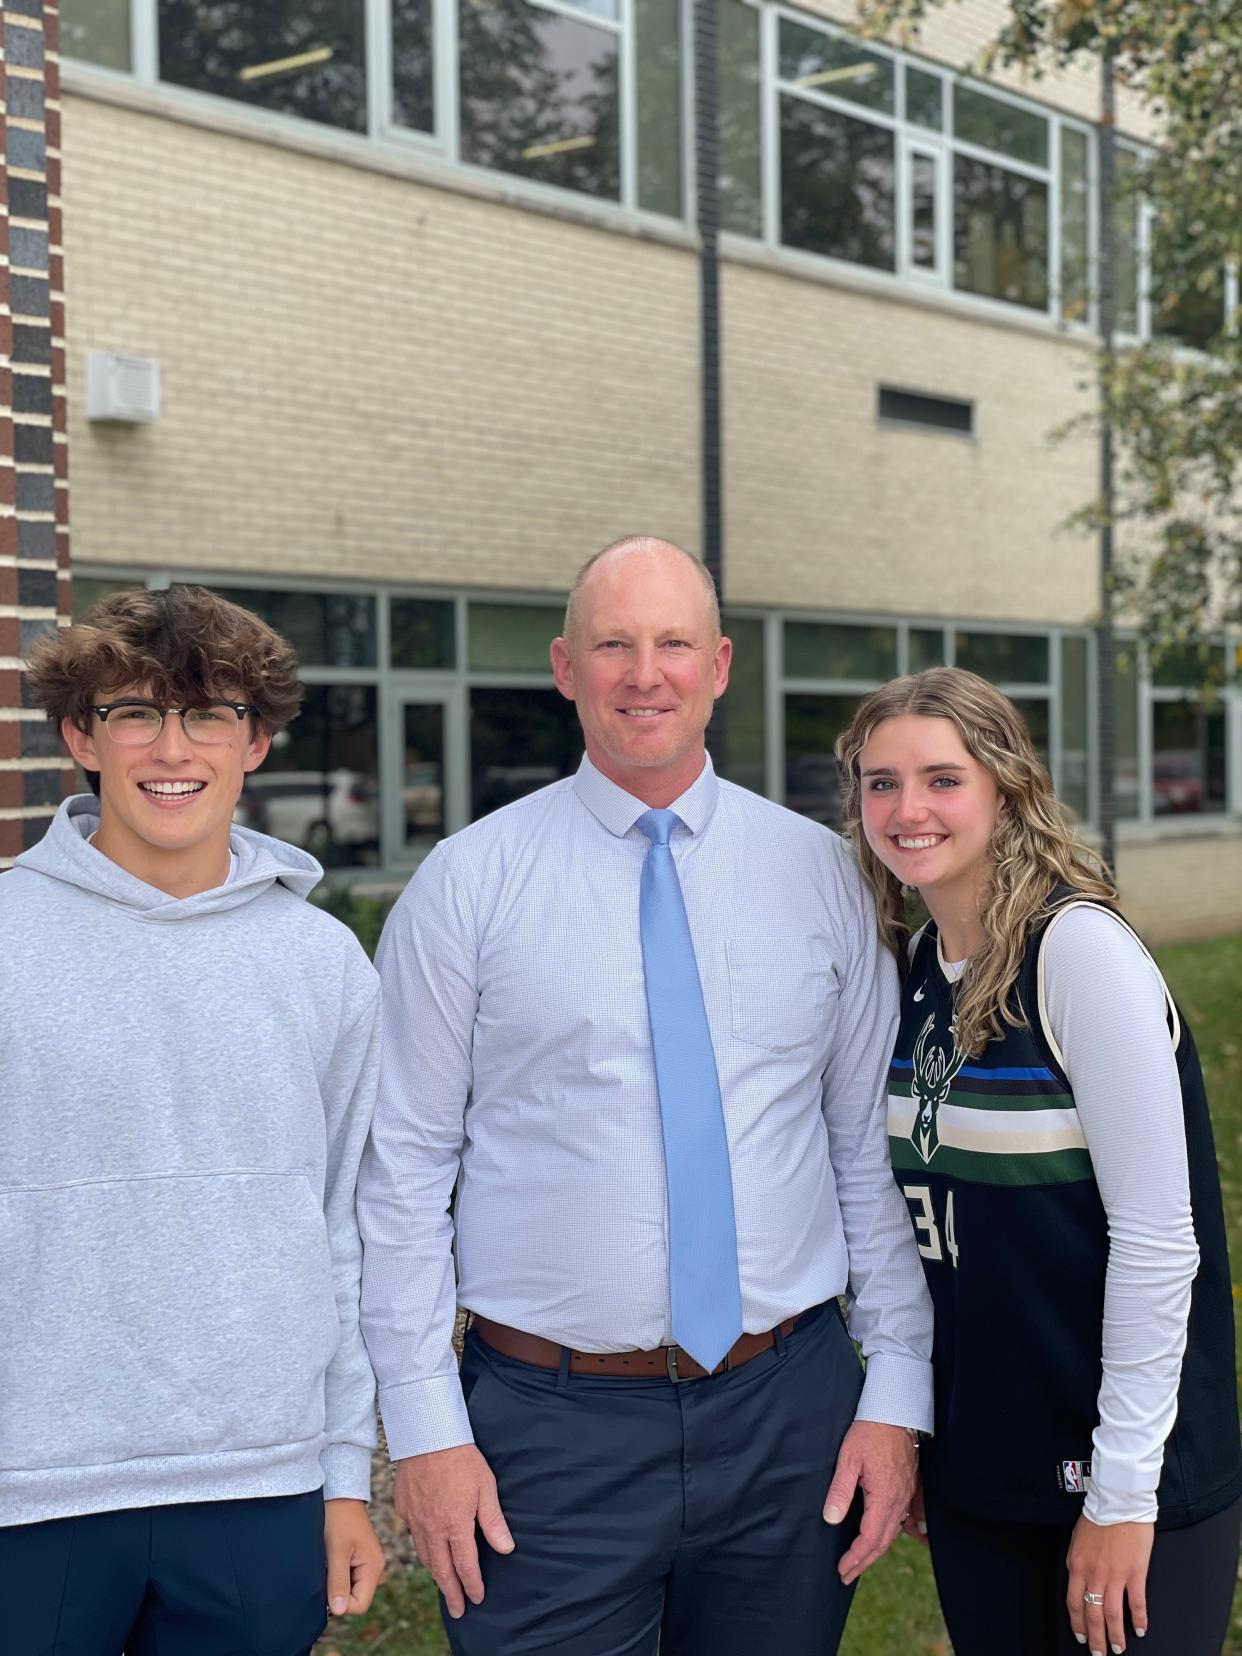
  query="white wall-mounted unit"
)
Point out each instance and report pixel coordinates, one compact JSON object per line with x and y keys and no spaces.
{"x":122,"y":388}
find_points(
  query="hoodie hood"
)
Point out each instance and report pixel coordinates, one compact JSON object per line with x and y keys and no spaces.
{"x":64,"y":853}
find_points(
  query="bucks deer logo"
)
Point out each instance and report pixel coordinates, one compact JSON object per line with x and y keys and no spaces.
{"x":934,"y":1071}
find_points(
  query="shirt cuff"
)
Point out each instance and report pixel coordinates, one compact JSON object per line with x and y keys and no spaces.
{"x":1110,"y":1506}
{"x":897,"y":1391}
{"x":346,"y":1472}
{"x":422,"y":1416}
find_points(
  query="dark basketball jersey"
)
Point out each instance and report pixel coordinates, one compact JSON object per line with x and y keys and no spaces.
{"x":992,"y":1160}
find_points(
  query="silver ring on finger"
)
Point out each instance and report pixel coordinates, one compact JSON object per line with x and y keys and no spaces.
{"x":1093,"y":1598}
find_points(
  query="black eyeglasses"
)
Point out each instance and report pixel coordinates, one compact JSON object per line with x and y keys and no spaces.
{"x":136,"y":723}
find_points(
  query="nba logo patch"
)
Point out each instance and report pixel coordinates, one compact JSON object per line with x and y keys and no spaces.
{"x":1075,"y":1476}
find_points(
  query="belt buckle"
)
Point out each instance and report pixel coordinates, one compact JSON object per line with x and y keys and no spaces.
{"x":670,"y":1363}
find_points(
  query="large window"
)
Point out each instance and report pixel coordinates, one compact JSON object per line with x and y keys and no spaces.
{"x":1188,"y":732}
{"x":851,"y":152}
{"x":579,"y":95}
{"x":899,"y":167}
{"x":830,"y":665}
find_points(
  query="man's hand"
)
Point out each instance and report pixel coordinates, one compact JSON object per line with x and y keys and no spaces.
{"x":355,"y":1557}
{"x":1110,"y":1559}
{"x":880,"y":1460}
{"x":442,"y":1496}
{"x":915,"y":1521}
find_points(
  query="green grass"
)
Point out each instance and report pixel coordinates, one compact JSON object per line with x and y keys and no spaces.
{"x":895,"y":1612}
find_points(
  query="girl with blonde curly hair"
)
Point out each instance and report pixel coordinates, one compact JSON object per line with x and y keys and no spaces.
{"x":1049,"y":1129}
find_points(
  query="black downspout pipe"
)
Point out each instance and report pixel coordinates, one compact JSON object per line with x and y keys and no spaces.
{"x":706,"y":151}
{"x":1105,"y":640}
{"x":707,"y":215}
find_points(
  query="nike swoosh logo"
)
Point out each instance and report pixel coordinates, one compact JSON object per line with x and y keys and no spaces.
{"x":918,"y":994}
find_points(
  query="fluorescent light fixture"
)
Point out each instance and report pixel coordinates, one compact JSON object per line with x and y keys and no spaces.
{"x":286,"y":65}
{"x":561,"y":146}
{"x":849,"y":72}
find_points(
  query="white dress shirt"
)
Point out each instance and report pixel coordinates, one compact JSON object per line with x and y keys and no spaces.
{"x":518,"y":1066}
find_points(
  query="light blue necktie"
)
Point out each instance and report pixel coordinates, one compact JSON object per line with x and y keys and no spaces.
{"x":702,"y":1242}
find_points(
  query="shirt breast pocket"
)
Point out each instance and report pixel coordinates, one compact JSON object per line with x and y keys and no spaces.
{"x":778,"y":996}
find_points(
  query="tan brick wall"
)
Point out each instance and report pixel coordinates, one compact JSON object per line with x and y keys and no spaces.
{"x":1175,"y":890}
{"x":362,"y":376}
{"x":825,"y":508}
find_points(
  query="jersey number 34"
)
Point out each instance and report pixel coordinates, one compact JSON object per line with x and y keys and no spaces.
{"x":935,"y":1241}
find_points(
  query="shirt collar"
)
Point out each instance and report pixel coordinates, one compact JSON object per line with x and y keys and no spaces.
{"x":618,"y":811}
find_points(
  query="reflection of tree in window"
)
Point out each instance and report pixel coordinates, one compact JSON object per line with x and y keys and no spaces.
{"x":737,"y":47}
{"x":539,"y":96}
{"x":827,"y":63}
{"x":657,"y":54}
{"x":97,"y":31}
{"x":1000,"y":233}
{"x":922,"y":211}
{"x":812,"y":775}
{"x":1187,"y":293}
{"x":1074,"y":225}
{"x":413,"y":65}
{"x":300,"y":57}
{"x":1126,"y":236}
{"x":836,"y":185}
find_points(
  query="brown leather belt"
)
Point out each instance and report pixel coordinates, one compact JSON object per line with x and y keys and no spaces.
{"x":667,"y":1362}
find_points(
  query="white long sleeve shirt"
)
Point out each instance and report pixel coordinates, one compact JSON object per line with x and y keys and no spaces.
{"x":517,"y":1067}
{"x":1104,"y":1004}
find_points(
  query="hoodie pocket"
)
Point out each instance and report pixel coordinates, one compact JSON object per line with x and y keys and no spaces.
{"x":183,"y":1315}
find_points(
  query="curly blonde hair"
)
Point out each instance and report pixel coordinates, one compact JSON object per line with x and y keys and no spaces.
{"x":1034,"y":852}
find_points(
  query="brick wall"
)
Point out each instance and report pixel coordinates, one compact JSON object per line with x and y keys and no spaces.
{"x":364,"y":376}
{"x":828,"y":509}
{"x":34,"y":546}
{"x":1173,"y":890}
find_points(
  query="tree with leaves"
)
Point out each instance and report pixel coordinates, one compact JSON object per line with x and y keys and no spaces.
{"x":1176,"y":413}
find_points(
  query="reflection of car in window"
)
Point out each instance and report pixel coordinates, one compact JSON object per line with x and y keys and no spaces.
{"x":423,"y":799}
{"x":322,"y":811}
{"x":1176,"y":783}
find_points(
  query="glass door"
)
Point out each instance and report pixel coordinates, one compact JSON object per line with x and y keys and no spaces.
{"x":421,"y":805}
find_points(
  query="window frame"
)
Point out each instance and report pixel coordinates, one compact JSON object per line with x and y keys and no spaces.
{"x":1148,"y":695}
{"x":452,"y":687}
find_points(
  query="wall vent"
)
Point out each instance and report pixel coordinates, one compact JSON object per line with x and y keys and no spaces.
{"x":916,"y":408}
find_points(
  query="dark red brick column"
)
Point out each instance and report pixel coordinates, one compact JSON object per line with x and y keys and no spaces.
{"x":34,"y":515}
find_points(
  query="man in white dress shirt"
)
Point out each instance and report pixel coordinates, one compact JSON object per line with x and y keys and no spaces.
{"x":641,"y":1021}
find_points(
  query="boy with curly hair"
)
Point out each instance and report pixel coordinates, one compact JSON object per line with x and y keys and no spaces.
{"x":187,"y":1072}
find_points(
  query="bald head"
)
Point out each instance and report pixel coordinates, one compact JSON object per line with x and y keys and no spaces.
{"x":612,"y":559}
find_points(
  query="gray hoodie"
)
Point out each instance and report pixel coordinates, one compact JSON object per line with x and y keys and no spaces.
{"x":185,"y":1089}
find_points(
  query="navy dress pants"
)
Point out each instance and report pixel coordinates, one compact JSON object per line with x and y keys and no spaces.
{"x":209,"y":1578}
{"x":650,"y":1513}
